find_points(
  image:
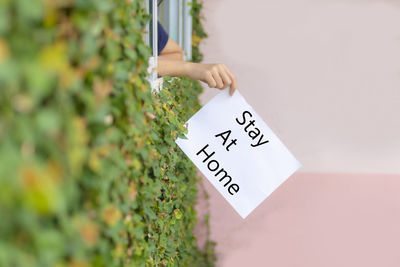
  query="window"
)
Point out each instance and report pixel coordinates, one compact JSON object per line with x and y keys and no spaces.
{"x":175,"y":17}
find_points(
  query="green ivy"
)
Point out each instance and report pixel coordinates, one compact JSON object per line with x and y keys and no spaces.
{"x":89,"y":171}
{"x":198,"y":30}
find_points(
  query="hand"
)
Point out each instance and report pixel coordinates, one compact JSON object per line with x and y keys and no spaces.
{"x":215,"y":75}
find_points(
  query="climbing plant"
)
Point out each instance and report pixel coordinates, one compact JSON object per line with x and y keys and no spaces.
{"x":198,"y":30}
{"x":89,"y":171}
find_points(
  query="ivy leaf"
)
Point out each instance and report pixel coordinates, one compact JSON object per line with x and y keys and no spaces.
{"x":178,"y":214}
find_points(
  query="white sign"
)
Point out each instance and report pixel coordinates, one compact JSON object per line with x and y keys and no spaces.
{"x":237,"y":152}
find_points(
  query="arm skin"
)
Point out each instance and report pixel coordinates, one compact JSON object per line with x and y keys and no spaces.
{"x":170,"y":63}
{"x":171,"y":51}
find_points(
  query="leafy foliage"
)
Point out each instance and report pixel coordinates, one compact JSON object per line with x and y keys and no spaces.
{"x":198,"y":31}
{"x":89,"y":171}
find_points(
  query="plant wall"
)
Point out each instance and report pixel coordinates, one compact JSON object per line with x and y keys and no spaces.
{"x":89,"y":171}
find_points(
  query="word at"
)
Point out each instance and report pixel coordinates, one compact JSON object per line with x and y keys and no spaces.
{"x":225,"y":135}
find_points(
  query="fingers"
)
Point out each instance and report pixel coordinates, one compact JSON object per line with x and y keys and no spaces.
{"x":225,"y":77}
{"x":209,"y":79}
{"x":233,"y":78}
{"x":217,"y":77}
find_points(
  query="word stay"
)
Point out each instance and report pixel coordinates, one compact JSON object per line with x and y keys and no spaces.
{"x":251,"y":129}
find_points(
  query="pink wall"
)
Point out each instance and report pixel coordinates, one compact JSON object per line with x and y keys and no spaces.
{"x":325,"y":76}
{"x":313,"y":220}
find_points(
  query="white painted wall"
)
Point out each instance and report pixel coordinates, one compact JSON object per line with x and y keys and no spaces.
{"x":325,"y":75}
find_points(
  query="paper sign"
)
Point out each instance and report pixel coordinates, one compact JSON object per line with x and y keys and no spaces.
{"x":237,"y":151}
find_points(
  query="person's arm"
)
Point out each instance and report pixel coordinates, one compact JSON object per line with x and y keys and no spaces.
{"x":170,"y":62}
{"x":171,"y":51}
{"x":215,"y":75}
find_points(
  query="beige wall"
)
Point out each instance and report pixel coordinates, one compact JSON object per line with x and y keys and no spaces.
{"x":325,"y":75}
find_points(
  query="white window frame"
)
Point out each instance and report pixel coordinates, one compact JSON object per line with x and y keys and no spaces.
{"x":152,"y":41}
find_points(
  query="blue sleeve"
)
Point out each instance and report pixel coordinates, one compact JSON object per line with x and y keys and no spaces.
{"x":162,"y":38}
